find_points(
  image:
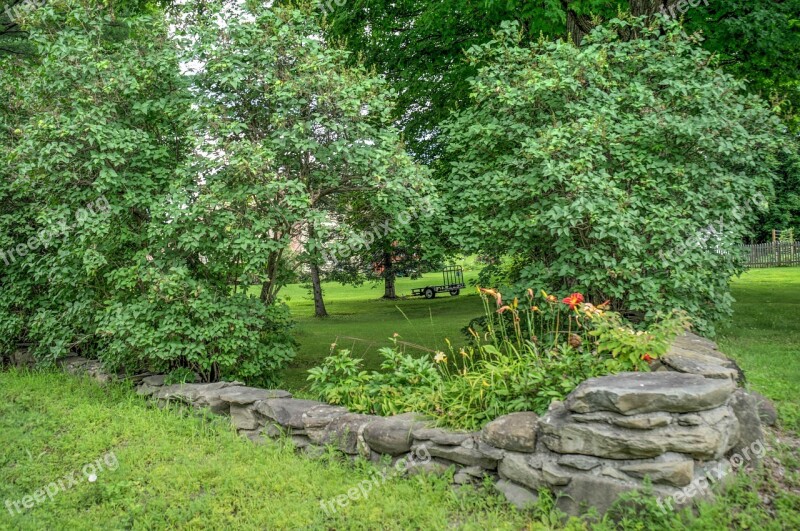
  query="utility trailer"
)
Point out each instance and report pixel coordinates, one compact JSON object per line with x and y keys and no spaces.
{"x":453,"y":278}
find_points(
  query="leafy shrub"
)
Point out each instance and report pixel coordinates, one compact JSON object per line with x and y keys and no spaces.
{"x":526,"y":356}
{"x":627,"y":168}
{"x":183,"y":323}
{"x":149,"y":281}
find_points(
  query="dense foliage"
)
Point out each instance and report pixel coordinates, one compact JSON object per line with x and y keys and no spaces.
{"x":187,"y":187}
{"x":528,"y":354}
{"x":628,"y":168}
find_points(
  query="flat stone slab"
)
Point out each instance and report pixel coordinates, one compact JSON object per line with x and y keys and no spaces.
{"x":466,"y":454}
{"x":288,"y":412}
{"x":156,"y":380}
{"x":690,"y":362}
{"x":695,"y":343}
{"x":633,"y":393}
{"x":243,"y":396}
{"x":440,"y":436}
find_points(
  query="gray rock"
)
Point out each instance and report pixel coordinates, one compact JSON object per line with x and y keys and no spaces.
{"x":517,"y":495}
{"x":766,"y":409}
{"x":579,"y":462}
{"x":645,"y":421}
{"x":244,"y":417}
{"x":287,"y":412}
{"x":462,"y":455}
{"x":745,"y":407}
{"x":440,"y":436}
{"x":474,"y":471}
{"x":515,"y":467}
{"x":243,"y":396}
{"x":613,"y":472}
{"x":300,"y":441}
{"x":691,"y":341}
{"x":710,"y":440}
{"x":343,"y":432}
{"x":515,"y":432}
{"x":274,"y":431}
{"x":392,"y":435}
{"x":433,"y":467}
{"x":462,"y":478}
{"x":555,"y":475}
{"x":678,"y":472}
{"x":255,"y":435}
{"x":207,"y":396}
{"x":586,"y":491}
{"x":633,"y":393}
{"x":319,"y":417}
{"x":146,"y":390}
{"x":156,"y":380}
{"x":690,"y":362}
{"x":488,"y":451}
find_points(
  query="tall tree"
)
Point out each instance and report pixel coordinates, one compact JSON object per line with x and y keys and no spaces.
{"x":293,"y":130}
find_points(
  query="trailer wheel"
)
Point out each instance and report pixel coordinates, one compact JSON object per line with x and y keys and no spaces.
{"x":429,"y":293}
{"x":455,"y":292}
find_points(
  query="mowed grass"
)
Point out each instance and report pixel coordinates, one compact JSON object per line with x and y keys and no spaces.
{"x":764,"y":336}
{"x":361,"y":321}
{"x":182,"y":472}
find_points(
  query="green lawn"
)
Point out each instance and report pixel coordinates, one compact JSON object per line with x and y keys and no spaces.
{"x":180,"y":472}
{"x":362,"y":322}
{"x":764,"y":336}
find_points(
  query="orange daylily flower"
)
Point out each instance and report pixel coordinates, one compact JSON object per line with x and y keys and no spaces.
{"x":573,"y":300}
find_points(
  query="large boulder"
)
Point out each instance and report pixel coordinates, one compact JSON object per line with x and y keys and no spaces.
{"x":632,"y":393}
{"x":515,"y":432}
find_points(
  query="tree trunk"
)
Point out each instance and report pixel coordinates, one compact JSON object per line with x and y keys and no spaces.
{"x":389,"y":277}
{"x":578,"y":26}
{"x":316,"y":285}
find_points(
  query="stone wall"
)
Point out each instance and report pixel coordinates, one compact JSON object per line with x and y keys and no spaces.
{"x":675,"y":426}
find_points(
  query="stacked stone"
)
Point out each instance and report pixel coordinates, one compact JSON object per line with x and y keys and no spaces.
{"x":672,"y":426}
{"x":614,"y":431}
